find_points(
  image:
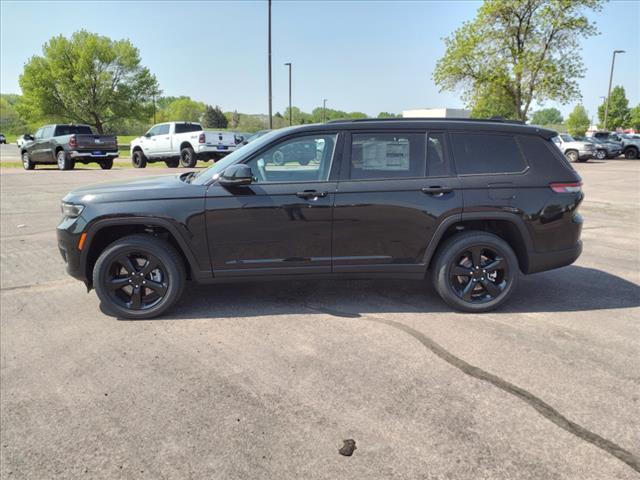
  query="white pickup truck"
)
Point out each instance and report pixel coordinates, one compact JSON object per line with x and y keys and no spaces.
{"x":181,"y":143}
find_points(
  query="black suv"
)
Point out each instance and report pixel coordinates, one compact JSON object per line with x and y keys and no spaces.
{"x":471,"y":203}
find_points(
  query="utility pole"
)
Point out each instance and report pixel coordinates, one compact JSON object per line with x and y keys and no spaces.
{"x":154,"y":108}
{"x":606,"y":108}
{"x":270,"y":95}
{"x":290,"y":111}
{"x":324,"y":110}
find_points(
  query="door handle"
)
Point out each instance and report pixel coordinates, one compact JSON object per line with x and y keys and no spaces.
{"x":436,"y":190}
{"x":308,"y":194}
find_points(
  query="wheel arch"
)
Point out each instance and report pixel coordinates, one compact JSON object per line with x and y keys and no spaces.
{"x":505,"y":225}
{"x":104,"y":232}
{"x":185,"y":144}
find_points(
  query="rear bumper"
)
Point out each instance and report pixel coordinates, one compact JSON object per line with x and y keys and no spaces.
{"x":76,"y":154}
{"x":540,"y":262}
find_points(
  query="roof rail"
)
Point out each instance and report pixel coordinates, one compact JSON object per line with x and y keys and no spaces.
{"x":442,"y":119}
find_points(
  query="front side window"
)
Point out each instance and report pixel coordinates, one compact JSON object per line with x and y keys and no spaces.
{"x":387,"y":155}
{"x":38,"y":133}
{"x":153,"y":131}
{"x":301,"y":159}
{"x":163,"y":129}
{"x":486,"y":153}
{"x":566,"y":138}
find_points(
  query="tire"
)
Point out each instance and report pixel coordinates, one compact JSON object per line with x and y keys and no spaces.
{"x":27,"y":164}
{"x":172,"y":163}
{"x":278,"y":158}
{"x":572,"y":155}
{"x":106,"y":164}
{"x":467,"y":291}
{"x":631,"y":153}
{"x":601,"y":154}
{"x":188,"y":157}
{"x":138,"y":159}
{"x":168,"y":277}
{"x":63,"y":160}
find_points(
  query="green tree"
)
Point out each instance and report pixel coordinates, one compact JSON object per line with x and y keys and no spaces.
{"x":618,"y":109}
{"x":547,"y":116}
{"x":634,"y":118}
{"x":578,"y":121}
{"x":523,"y":49}
{"x":214,"y":118}
{"x":389,"y":115}
{"x":10,"y":119}
{"x":491,"y":101}
{"x":181,"y":109}
{"x":87,"y":78}
{"x":235,"y":119}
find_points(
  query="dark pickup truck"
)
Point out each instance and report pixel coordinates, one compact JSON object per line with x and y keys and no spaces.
{"x":66,"y":145}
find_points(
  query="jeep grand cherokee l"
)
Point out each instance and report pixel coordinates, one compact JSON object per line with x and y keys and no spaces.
{"x":469,"y":203}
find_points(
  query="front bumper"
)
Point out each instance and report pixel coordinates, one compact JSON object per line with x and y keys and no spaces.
{"x":586,"y":154}
{"x":68,"y":232}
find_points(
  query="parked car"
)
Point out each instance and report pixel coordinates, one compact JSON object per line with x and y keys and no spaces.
{"x":380,"y":202}
{"x":575,"y":151}
{"x":3,"y":139}
{"x":630,"y":143}
{"x":66,"y":145}
{"x":604,"y":148}
{"x":180,"y":143}
{"x":22,"y":139}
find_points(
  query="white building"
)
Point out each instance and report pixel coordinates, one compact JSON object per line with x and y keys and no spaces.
{"x":437,"y":113}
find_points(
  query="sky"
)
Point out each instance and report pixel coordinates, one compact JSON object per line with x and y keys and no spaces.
{"x":367,"y":56}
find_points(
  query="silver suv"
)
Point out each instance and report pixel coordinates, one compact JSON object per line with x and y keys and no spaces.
{"x":574,"y":150}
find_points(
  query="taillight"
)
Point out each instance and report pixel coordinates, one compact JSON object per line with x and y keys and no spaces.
{"x":202,"y":138}
{"x":73,"y":142}
{"x":566,"y":187}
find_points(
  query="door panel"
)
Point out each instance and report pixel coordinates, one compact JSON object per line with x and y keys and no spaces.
{"x":385,"y":224}
{"x":281,"y":223}
{"x":267,"y":229}
{"x":162,"y":141}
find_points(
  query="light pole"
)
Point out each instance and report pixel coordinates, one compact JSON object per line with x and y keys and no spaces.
{"x":324,"y":110}
{"x":290,"y":111}
{"x":606,"y":108}
{"x":269,"y":48}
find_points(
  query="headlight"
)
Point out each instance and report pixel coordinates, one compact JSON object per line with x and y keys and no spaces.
{"x":71,"y":210}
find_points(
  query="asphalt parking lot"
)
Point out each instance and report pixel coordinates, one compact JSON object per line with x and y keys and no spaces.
{"x":266,"y":380}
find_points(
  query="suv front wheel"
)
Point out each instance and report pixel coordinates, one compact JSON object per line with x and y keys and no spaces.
{"x":475,"y":271}
{"x":139,"y":277}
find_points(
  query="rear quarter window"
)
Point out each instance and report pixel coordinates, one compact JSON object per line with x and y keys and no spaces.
{"x":486,"y":153}
{"x":542,"y":154}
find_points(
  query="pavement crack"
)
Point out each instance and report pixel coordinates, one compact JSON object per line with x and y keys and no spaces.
{"x":543,"y":408}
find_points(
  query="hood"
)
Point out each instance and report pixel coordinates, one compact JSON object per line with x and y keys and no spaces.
{"x":147,"y":188}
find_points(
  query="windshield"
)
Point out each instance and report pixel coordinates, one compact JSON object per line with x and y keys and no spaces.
{"x":566,"y":138}
{"x":214,"y":170}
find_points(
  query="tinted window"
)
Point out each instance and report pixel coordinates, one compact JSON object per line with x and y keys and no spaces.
{"x":541,"y":154}
{"x":187,"y":127}
{"x":163,"y":129}
{"x":73,"y":130}
{"x":301,"y":159}
{"x":387,"y":155}
{"x":437,"y":164}
{"x":477,"y":153}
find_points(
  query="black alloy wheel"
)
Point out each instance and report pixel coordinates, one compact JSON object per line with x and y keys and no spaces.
{"x":475,"y":271}
{"x":138,"y":159}
{"x":139,"y":276}
{"x":136,"y":281}
{"x":478,"y":274}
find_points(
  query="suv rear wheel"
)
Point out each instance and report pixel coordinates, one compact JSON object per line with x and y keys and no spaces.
{"x":475,"y":271}
{"x":139,"y":277}
{"x":64,"y":162}
{"x":188,"y":157}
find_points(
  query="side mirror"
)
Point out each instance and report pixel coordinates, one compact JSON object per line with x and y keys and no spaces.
{"x":148,"y":135}
{"x":28,"y":136}
{"x":235,"y":175}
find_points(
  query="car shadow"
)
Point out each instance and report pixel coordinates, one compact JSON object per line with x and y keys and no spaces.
{"x":569,"y":289}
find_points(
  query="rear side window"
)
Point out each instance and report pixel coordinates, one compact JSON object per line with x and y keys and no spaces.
{"x":437,"y":164}
{"x":387,"y":155}
{"x":485,"y":153}
{"x":72,"y":130}
{"x":188,"y":127}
